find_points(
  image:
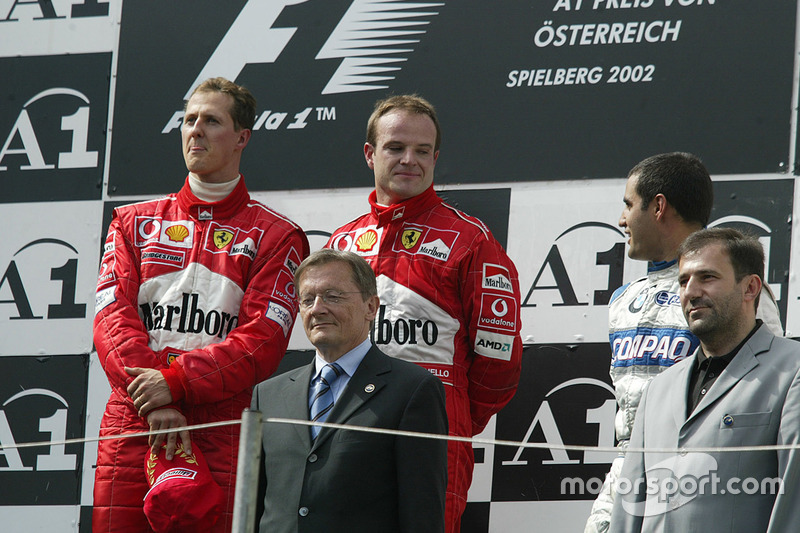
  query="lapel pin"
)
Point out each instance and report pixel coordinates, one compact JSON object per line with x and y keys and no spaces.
{"x":369,"y":388}
{"x":727,"y":420}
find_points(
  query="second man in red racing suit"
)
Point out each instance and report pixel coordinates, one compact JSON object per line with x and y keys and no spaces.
{"x":449,"y":294}
{"x":449,"y":302}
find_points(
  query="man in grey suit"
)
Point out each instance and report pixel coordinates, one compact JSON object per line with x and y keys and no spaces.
{"x":740,"y":388}
{"x":343,"y":480}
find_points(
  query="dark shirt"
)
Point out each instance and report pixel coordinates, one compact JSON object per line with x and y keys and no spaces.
{"x":706,"y":371}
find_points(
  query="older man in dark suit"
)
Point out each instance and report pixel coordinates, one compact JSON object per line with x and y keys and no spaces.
{"x":338,"y":480}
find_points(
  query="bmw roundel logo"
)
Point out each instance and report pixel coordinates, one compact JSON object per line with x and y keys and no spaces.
{"x":638,"y":303}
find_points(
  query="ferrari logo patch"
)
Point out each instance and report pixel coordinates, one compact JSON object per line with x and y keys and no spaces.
{"x":222,"y":238}
{"x":410,"y":238}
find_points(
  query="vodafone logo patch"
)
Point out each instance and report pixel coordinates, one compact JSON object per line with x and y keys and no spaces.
{"x":498,"y":313}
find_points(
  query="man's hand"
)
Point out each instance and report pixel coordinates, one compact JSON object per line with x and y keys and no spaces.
{"x":165,"y":419}
{"x":148,"y":390}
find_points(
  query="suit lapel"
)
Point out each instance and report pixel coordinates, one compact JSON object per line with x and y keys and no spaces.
{"x":295,"y":398}
{"x":740,"y":366}
{"x":365,"y":385}
{"x":680,"y":403}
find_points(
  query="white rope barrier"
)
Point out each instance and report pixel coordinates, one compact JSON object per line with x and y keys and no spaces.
{"x":130,"y":435}
{"x":535,"y":445}
{"x":472,"y":440}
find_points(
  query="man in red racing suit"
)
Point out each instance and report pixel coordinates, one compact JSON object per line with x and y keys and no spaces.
{"x":195,"y":300}
{"x":449,"y":294}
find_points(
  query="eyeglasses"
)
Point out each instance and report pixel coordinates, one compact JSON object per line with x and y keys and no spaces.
{"x":329,"y":297}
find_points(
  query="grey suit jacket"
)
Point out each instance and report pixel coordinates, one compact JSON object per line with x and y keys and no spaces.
{"x":350,"y":481}
{"x":754,"y":401}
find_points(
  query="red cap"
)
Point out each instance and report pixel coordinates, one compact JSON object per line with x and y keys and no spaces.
{"x":183,"y":497}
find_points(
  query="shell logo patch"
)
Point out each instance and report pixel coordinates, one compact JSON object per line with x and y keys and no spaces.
{"x":172,"y":233}
{"x":363,"y":241}
{"x":177,"y":233}
{"x":366,"y":242}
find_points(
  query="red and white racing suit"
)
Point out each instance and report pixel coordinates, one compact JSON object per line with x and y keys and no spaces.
{"x":449,"y":301}
{"x":203,"y":292}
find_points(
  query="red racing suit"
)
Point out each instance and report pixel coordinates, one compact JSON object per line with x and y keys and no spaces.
{"x":203,"y":292}
{"x":449,"y":301}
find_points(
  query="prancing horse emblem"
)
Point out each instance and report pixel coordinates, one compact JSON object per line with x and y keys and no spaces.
{"x":222,"y":238}
{"x":410,"y":238}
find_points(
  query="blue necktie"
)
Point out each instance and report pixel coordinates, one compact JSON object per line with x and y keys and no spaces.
{"x":321,"y":397}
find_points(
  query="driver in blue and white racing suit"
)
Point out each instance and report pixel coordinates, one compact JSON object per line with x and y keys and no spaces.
{"x":667,"y":197}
